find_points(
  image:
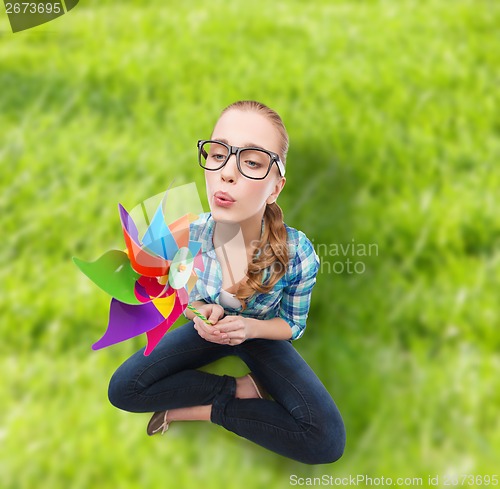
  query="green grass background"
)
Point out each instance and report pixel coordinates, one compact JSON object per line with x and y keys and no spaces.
{"x":392,"y":111}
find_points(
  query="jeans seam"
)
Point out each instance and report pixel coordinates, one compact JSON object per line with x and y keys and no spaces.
{"x":152,"y":396}
{"x":259,"y":422}
{"x":303,"y":400}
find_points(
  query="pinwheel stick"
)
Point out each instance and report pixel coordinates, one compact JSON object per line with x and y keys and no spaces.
{"x":198,"y":313}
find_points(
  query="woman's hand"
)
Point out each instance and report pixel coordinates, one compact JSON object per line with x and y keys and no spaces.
{"x":234,"y":329}
{"x":209,"y":332}
{"x":213,"y":312}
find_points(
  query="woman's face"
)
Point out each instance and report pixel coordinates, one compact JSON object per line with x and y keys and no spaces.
{"x":246,"y":198}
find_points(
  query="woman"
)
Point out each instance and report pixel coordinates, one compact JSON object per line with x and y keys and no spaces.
{"x":255,"y":291}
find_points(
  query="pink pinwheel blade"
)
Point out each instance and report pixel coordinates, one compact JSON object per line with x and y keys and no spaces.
{"x":127,"y":321}
{"x":156,"y":334}
{"x":154,"y":288}
{"x":148,"y":288}
{"x":183,"y":295}
{"x":141,"y":294}
{"x":198,"y":262}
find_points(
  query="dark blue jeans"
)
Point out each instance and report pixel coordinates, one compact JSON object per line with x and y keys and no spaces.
{"x":302,"y":421}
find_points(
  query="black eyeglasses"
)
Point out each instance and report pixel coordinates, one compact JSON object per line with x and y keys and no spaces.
{"x":254,"y":163}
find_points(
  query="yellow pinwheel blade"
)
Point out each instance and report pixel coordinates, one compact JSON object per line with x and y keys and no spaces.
{"x":165,"y":304}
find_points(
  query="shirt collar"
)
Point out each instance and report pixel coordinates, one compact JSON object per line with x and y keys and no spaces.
{"x":209,"y":230}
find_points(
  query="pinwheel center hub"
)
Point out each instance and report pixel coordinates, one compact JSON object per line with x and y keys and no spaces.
{"x":181,"y":268}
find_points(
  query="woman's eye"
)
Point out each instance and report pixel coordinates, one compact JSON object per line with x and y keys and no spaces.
{"x":218,"y":157}
{"x":252,"y":164}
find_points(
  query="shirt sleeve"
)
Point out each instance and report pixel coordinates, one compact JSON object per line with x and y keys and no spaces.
{"x":196,"y":229}
{"x":296,"y":299}
{"x":195,"y":295}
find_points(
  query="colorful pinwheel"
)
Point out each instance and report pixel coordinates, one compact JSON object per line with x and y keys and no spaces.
{"x":150,"y":281}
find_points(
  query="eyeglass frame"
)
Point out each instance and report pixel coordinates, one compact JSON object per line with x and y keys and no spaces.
{"x":235,"y":150}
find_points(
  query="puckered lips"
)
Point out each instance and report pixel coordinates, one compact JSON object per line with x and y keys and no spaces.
{"x":223,"y":199}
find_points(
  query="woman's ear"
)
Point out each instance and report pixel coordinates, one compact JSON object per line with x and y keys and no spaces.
{"x":277,"y":190}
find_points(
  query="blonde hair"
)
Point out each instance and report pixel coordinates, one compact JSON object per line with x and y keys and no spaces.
{"x":272,"y":250}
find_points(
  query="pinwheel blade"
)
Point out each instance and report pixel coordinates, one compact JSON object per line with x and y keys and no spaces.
{"x":194,"y":247}
{"x":147,"y":293}
{"x":183,"y":297}
{"x":181,"y":221}
{"x":126,"y":321}
{"x":156,"y":334}
{"x":158,"y":237}
{"x":129,"y":225}
{"x":113,"y":274}
{"x":181,"y":231}
{"x":192,"y":281}
{"x":198,"y":262}
{"x":165,"y":304}
{"x":142,"y":261}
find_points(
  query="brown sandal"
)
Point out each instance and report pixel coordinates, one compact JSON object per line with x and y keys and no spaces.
{"x":261,"y":392}
{"x":158,"y":422}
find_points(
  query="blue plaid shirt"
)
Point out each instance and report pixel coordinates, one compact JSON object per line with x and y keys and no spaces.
{"x":290,"y":297}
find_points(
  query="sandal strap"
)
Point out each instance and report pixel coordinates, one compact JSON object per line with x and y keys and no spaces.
{"x":164,"y":426}
{"x":255,"y":385}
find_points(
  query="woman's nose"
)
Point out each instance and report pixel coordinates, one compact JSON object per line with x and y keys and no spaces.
{"x":229,"y":172}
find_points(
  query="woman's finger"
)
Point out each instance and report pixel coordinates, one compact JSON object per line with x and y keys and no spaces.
{"x":202,"y":326}
{"x":216,"y":313}
{"x":209,"y":332}
{"x":229,"y":327}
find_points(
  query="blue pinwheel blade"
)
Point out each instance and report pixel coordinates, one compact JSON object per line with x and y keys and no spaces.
{"x":158,"y":237}
{"x":194,"y":247}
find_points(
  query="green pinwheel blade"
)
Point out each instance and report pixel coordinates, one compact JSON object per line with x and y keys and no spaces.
{"x":113,"y":273}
